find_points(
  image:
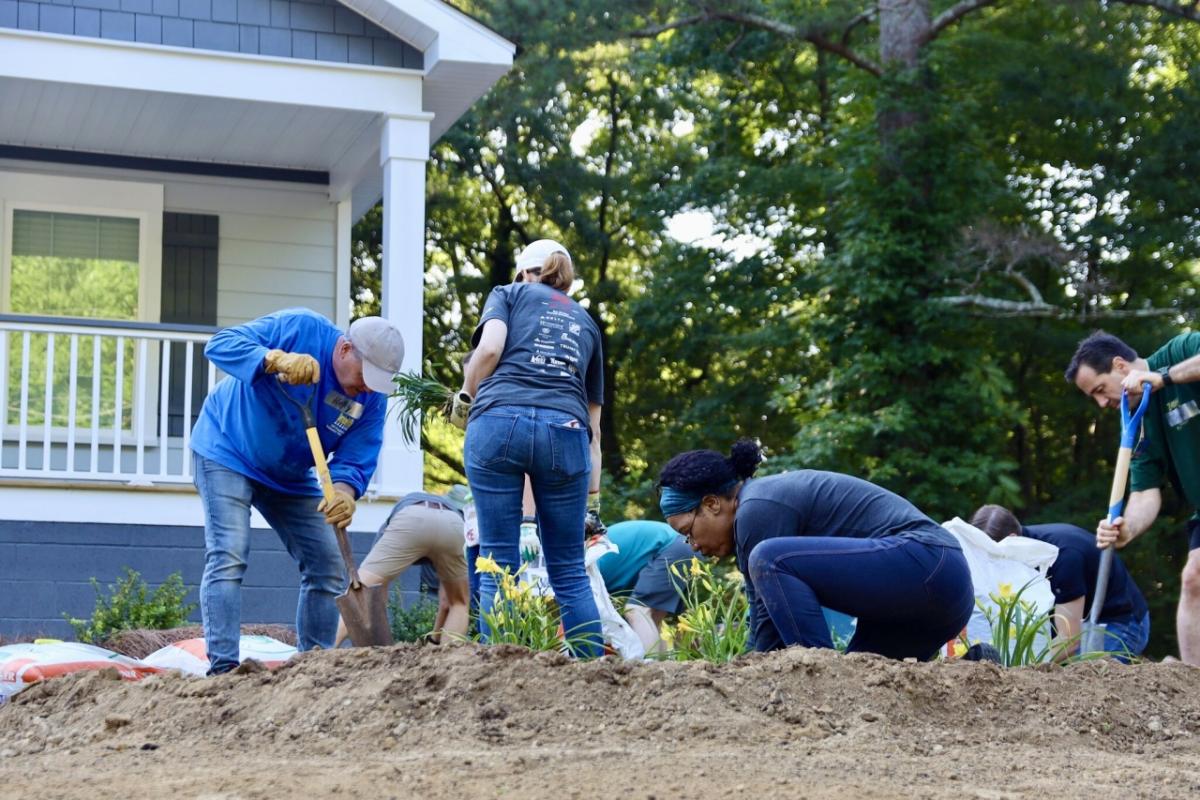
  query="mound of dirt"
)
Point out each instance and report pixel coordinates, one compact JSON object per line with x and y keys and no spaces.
{"x":474,"y":722}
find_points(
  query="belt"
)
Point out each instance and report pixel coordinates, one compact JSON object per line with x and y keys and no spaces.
{"x":431,"y":504}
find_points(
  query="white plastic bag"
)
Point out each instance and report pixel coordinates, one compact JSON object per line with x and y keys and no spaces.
{"x":29,"y":662}
{"x":1018,"y":561}
{"x":191,"y":655}
{"x":617,"y":632}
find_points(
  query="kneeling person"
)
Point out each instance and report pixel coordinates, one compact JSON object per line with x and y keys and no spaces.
{"x":641,"y":572}
{"x":423,"y":526}
{"x":1072,"y":577}
{"x":809,"y":539}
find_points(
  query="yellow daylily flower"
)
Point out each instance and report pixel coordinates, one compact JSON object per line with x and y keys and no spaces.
{"x":960,"y":649}
{"x":1006,"y":590}
{"x":486,"y":565}
{"x":696,"y":571}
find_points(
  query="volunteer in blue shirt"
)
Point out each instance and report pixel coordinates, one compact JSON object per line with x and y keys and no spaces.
{"x":1072,"y":576}
{"x":250,"y":449}
{"x":809,"y":539}
{"x":530,"y":402}
{"x":641,"y":571}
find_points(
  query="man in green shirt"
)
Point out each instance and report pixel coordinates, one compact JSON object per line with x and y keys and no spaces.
{"x":1102,"y":366}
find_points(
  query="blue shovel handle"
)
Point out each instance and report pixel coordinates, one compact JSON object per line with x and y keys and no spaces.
{"x":1130,"y":422}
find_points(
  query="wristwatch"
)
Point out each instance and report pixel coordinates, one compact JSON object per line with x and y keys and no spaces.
{"x":1165,"y":372}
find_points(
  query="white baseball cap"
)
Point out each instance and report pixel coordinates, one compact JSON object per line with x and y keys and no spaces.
{"x":382,"y":349}
{"x":535,"y":254}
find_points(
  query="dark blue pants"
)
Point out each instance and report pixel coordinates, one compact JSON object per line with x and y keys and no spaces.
{"x":910,"y":597}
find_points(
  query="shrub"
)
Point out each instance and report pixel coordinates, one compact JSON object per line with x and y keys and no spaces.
{"x":412,"y":624}
{"x":519,"y":614}
{"x":130,"y":605}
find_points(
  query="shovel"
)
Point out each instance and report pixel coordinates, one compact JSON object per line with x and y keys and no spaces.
{"x":364,"y":609}
{"x":1093,"y":632}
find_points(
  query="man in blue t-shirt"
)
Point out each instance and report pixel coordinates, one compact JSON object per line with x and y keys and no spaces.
{"x":250,"y":449}
{"x":1072,"y":576}
{"x":641,"y":572}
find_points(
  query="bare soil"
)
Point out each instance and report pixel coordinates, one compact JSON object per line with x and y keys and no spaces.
{"x":473,"y":722}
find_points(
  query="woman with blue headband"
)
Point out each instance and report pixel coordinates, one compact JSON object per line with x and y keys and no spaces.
{"x":808,"y":539}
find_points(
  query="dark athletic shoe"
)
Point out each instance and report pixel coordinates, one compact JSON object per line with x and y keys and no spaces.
{"x":982,"y":651}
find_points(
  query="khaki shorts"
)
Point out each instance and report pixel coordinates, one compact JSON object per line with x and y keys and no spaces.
{"x":419,"y":532}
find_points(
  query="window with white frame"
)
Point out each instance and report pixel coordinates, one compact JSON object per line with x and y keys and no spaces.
{"x":77,"y":249}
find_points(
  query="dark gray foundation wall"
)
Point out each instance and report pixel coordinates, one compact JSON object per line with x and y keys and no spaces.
{"x":46,"y":567}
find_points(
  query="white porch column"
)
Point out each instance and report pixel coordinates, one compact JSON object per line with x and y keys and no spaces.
{"x":404,"y":151}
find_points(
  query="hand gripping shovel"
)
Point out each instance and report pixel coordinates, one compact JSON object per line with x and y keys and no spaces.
{"x":1093,"y":631}
{"x":364,"y":609}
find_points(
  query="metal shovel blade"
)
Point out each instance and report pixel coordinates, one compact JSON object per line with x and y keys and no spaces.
{"x":364,"y":609}
{"x":1092,"y":638}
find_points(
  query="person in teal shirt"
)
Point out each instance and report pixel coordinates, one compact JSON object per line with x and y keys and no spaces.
{"x":641,"y":572}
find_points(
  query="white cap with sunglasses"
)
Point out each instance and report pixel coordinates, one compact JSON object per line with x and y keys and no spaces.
{"x":534,"y":256}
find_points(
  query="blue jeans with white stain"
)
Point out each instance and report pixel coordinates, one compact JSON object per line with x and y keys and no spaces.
{"x":1127,"y":635}
{"x":504,"y":444}
{"x":227,"y":497}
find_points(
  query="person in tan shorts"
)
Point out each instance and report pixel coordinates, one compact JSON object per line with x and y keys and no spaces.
{"x":429,"y":526}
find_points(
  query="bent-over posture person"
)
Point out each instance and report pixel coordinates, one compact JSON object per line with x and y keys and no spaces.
{"x":641,"y":572}
{"x":423,"y":526}
{"x":1072,"y":579}
{"x":249,"y":449}
{"x":809,"y":539}
{"x":1102,"y":366}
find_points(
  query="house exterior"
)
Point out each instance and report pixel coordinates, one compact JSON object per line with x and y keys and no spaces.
{"x":167,"y":168}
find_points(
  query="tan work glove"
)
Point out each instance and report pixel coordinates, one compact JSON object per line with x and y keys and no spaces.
{"x":340,"y":510}
{"x":460,"y":410}
{"x":295,"y":368}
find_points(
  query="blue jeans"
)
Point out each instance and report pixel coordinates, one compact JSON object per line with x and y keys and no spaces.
{"x":910,"y":597}
{"x":504,"y":444}
{"x":473,"y":578}
{"x":227,"y":497}
{"x":1129,"y":633}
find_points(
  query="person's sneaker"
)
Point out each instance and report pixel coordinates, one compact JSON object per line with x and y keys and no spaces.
{"x":982,"y":651}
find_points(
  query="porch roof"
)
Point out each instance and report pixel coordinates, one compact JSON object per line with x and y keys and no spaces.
{"x":105,"y":97}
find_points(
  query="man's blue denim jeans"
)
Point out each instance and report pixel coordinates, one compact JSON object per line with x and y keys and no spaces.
{"x":1127,"y":635}
{"x":504,"y":444}
{"x":227,"y":497}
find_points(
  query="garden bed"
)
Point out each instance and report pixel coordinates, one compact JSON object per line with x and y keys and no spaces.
{"x":472,"y":721}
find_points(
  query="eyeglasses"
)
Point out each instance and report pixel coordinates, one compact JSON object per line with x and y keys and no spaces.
{"x":687,"y":535}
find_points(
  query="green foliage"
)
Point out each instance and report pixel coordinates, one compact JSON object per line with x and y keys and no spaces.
{"x":130,"y":605}
{"x":520,"y":615}
{"x":850,"y":215}
{"x":413,"y":623}
{"x":1020,"y":633}
{"x":712,"y":625}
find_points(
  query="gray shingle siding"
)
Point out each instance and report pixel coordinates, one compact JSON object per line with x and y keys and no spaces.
{"x":45,"y":569}
{"x":320,"y":30}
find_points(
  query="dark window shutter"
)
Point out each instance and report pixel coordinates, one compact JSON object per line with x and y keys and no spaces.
{"x":189,"y":297}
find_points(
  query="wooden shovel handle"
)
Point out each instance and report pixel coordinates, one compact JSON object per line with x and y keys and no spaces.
{"x":318,"y":453}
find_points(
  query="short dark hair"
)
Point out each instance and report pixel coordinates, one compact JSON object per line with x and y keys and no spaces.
{"x":1098,"y":351}
{"x":708,"y":472}
{"x":996,"y":521}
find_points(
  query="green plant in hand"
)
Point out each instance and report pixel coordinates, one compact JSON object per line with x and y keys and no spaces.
{"x":713,"y":624}
{"x":416,"y":396}
{"x":130,"y":605}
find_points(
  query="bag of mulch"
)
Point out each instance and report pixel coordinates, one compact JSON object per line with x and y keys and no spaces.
{"x":191,"y":655}
{"x":29,"y":662}
{"x":617,"y":632}
{"x":1017,"y":562}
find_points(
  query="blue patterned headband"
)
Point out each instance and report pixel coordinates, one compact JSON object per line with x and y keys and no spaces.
{"x":676,"y":501}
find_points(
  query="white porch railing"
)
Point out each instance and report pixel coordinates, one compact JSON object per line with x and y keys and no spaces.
{"x":95,"y":400}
